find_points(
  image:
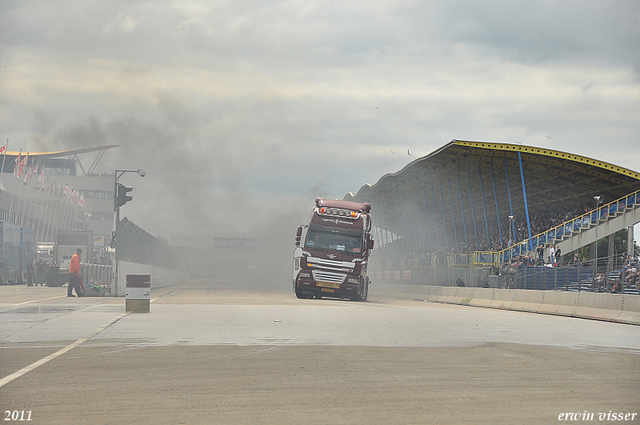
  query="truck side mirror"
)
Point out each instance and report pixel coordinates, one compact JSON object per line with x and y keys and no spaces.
{"x":298,"y":235}
{"x":370,"y":244}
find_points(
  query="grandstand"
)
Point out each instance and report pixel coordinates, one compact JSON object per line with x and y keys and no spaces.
{"x":481,"y":204}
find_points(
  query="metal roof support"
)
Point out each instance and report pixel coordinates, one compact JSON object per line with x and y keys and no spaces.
{"x":412,"y":230}
{"x":464,"y":225}
{"x":419,"y":240}
{"x":484,"y":208}
{"x":374,"y":223}
{"x":380,"y":218}
{"x":513,"y":224}
{"x":444,"y":218}
{"x":406,"y":229}
{"x":426,"y":213}
{"x":96,"y":160}
{"x":413,"y":220}
{"x":392,"y":225}
{"x":397,"y":214}
{"x":495,"y":195}
{"x":526,"y":207}
{"x":424,"y":240}
{"x":435,"y":216}
{"x":419,"y":247}
{"x":453,"y":214}
{"x":473,"y":213}
{"x":384,"y":222}
{"x":84,"y":173}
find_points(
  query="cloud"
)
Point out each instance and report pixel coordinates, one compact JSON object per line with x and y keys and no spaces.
{"x":238,"y":107}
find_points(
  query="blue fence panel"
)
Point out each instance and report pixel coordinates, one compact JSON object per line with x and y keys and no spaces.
{"x":549,"y":278}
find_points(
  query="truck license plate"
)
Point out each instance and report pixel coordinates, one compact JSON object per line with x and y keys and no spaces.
{"x":328,"y":284}
{"x":328,"y":290}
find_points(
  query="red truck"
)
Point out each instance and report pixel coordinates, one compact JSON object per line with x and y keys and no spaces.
{"x":332,"y":261}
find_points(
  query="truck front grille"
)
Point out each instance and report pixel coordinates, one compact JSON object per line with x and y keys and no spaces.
{"x":324,"y":276}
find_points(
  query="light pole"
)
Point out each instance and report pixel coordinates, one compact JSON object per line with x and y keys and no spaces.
{"x":598,"y":200}
{"x":511,"y":218}
{"x":116,"y":207}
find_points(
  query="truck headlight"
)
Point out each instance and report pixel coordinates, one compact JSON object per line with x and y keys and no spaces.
{"x":353,"y":280}
{"x":304,"y":274}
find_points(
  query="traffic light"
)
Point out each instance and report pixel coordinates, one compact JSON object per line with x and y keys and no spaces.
{"x":122,"y":197}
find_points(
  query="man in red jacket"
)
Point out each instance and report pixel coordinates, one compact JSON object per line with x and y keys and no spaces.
{"x":74,"y":274}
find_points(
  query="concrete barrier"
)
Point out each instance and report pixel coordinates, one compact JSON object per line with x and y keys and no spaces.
{"x":464,"y":295}
{"x":599,"y":306}
{"x":482,"y":297}
{"x":433,"y":293}
{"x":630,"y":310}
{"x":448,"y":295}
{"x":559,"y":303}
{"x":502,"y":298}
{"x":527,"y":300}
{"x":611,"y":307}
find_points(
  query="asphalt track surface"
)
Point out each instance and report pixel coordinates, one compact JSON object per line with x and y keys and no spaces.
{"x":215,"y":353}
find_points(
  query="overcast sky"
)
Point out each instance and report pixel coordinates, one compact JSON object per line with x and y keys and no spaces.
{"x":240,"y":109}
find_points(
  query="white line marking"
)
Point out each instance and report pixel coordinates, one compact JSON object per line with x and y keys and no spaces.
{"x":58,"y":353}
{"x":33,"y":301}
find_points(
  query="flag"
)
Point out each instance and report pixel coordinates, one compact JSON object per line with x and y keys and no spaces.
{"x":3,"y":149}
{"x":41,"y":179}
{"x":70,"y":194}
{"x":81,"y":202}
{"x":33,"y":169}
{"x":21,"y":166}
{"x":15,"y":168}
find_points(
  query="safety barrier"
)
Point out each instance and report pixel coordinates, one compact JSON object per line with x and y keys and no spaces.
{"x":96,"y":274}
{"x":621,"y":308}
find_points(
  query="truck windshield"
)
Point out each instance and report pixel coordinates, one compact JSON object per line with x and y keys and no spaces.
{"x":334,"y":239}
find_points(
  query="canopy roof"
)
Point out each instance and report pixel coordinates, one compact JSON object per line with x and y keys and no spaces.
{"x":464,"y":179}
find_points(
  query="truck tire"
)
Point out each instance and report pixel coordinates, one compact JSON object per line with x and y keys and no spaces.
{"x":362,"y":296}
{"x":366,"y":290}
{"x":298,"y":292}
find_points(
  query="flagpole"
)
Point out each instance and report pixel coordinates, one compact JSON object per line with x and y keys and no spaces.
{"x":52,"y":213}
{"x":26,"y":159}
{"x":15,"y":171}
{"x":42,"y":206}
{"x":57,"y":208}
{"x":4,"y":158}
{"x":28,"y":198}
{"x":49,"y":212}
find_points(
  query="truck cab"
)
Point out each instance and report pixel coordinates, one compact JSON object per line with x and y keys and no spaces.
{"x":332,"y":251}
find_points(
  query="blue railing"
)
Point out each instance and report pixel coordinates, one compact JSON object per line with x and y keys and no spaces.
{"x":574,"y":225}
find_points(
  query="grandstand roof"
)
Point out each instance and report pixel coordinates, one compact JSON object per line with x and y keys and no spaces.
{"x":68,"y":152}
{"x":460,"y":173}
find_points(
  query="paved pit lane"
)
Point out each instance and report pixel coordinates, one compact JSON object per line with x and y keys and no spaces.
{"x":212,"y":353}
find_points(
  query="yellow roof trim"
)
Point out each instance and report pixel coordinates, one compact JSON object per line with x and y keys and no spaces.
{"x":551,"y":153}
{"x":63,"y":153}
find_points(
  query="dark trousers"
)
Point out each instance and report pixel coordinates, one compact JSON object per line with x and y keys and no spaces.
{"x":74,"y":282}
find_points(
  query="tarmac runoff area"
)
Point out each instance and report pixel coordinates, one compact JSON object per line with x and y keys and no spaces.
{"x":213,"y":353}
